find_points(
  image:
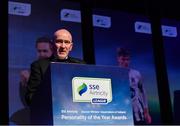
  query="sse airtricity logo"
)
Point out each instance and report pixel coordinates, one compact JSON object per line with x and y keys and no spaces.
{"x":82,"y":89}
{"x":93,"y":90}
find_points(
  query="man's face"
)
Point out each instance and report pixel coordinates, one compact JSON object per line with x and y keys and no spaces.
{"x":63,"y":44}
{"x":123,"y":61}
{"x":44,"y":50}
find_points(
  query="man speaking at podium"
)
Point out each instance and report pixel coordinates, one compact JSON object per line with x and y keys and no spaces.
{"x":63,"y":45}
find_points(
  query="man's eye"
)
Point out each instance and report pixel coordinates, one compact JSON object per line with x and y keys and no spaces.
{"x":44,"y":50}
{"x":66,"y":42}
{"x":63,"y":41}
{"x":59,"y":41}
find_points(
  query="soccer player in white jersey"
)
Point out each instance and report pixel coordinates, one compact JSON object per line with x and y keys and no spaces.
{"x":138,"y":95}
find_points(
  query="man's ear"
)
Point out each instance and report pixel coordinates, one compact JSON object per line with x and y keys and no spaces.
{"x":71,"y":47}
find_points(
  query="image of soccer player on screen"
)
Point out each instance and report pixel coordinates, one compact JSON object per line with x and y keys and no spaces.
{"x":138,"y":95}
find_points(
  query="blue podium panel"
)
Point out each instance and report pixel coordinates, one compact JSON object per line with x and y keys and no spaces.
{"x":90,"y":95}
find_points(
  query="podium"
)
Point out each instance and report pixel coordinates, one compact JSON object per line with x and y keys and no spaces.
{"x":74,"y":94}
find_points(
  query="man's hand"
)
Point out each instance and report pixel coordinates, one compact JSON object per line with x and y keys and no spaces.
{"x":24,"y":76}
{"x":147,"y":116}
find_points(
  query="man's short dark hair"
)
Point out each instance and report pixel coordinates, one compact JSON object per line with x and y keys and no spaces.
{"x":44,"y":39}
{"x":123,"y":52}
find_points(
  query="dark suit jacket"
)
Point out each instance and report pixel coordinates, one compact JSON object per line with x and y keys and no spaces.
{"x":38,"y":70}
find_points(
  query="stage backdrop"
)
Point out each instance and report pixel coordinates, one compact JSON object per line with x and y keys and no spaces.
{"x":171,"y":43}
{"x":29,"y":20}
{"x":120,"y":29}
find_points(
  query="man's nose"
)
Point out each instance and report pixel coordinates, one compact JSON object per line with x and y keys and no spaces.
{"x":42,"y":54}
{"x":63,"y":45}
